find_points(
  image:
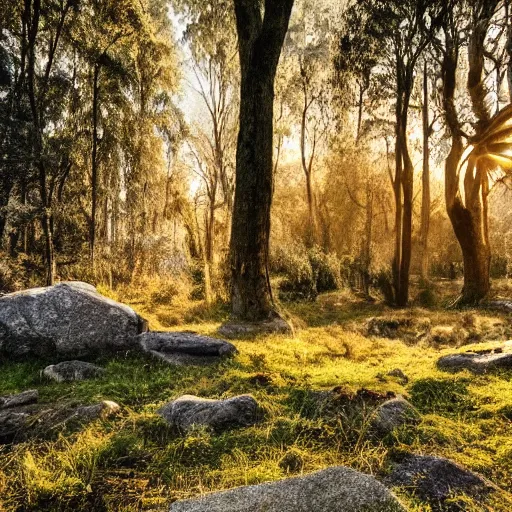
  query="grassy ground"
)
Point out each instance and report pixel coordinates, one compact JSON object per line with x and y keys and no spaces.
{"x":133,"y":461}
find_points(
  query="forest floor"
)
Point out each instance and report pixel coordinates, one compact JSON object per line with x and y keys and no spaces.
{"x":134,"y":461}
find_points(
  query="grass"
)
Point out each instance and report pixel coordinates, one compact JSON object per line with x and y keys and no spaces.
{"x":134,"y":461}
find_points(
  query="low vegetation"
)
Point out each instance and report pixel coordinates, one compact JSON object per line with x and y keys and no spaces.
{"x":134,"y":461}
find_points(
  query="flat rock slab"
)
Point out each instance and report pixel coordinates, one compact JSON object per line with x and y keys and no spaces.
{"x":476,"y":363}
{"x":232,"y":330}
{"x":393,"y":414}
{"x":189,"y":410}
{"x":70,"y":318}
{"x":336,"y":489}
{"x":185,"y":348}
{"x":435,"y":479}
{"x":69,"y":371}
{"x":26,"y":397}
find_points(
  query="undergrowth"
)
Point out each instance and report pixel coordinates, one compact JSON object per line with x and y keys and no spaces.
{"x":134,"y":461}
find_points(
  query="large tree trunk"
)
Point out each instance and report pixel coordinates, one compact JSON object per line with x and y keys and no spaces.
{"x":260,"y":42}
{"x":468,"y":214}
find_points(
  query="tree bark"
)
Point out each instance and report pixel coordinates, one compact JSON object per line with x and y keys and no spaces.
{"x":425,"y":179}
{"x":468,"y":214}
{"x":260,"y":41}
{"x":94,"y":162}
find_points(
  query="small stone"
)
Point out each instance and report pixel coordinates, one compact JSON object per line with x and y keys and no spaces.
{"x":187,"y":411}
{"x":333,"y":489}
{"x":69,"y":371}
{"x":399,"y":374}
{"x":26,"y":397}
{"x":391,"y":415}
{"x":93,"y":412}
{"x":476,"y":363}
{"x":435,"y":479}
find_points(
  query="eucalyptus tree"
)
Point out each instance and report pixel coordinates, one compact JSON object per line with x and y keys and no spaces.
{"x":467,"y":178}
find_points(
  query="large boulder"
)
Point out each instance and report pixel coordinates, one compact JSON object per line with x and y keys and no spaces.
{"x":187,"y":411}
{"x":69,"y":371}
{"x":70,"y":318}
{"x":336,"y":489}
{"x":476,"y":363}
{"x":436,"y":479}
{"x":182,"y":348}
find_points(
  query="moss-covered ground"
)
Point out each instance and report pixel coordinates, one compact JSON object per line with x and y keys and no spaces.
{"x":133,"y":461}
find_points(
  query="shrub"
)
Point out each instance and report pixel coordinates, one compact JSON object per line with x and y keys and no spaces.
{"x":196,"y":271}
{"x":384,"y":282}
{"x":326,"y":269}
{"x":427,"y":297}
{"x":299,"y":283}
{"x":306,"y":272}
{"x":8,"y":277}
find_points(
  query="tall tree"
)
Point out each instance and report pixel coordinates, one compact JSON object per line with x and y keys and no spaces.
{"x":260,"y":39}
{"x":468,"y":210}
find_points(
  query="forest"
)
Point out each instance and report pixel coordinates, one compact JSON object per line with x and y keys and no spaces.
{"x":256,"y":255}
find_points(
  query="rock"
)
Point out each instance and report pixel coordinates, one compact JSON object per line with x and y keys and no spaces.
{"x":235,"y":329}
{"x":499,"y":305}
{"x":189,"y":410}
{"x":185,"y":348}
{"x":435,"y":479}
{"x":69,"y":371}
{"x":70,"y":318}
{"x":26,"y":397}
{"x":12,"y":423}
{"x":86,"y":413}
{"x":330,"y":490}
{"x":393,"y":414}
{"x":399,"y":374}
{"x":476,"y":363}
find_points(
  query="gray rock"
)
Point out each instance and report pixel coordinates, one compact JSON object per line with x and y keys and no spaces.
{"x":189,"y":410}
{"x":393,"y":414}
{"x":499,"y":305}
{"x":26,"y":397}
{"x":86,"y":413}
{"x":12,"y":423}
{"x":476,"y":363}
{"x":399,"y":374}
{"x":69,"y":371}
{"x":183,"y":348}
{"x":70,"y":318}
{"x":336,"y":489}
{"x":435,"y":479}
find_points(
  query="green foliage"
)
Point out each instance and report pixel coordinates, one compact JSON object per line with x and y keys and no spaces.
{"x":305,"y":272}
{"x":326,"y":269}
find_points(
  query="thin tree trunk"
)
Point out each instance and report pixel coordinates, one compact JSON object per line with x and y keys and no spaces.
{"x":260,"y":43}
{"x":425,"y":179}
{"x":94,"y":163}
